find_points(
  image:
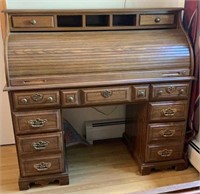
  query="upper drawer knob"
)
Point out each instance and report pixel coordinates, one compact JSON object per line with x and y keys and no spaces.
{"x":50,"y":99}
{"x":160,"y":92}
{"x":24,"y":100}
{"x":33,"y":22}
{"x":141,"y":93}
{"x":182,"y":91}
{"x":157,"y":20}
{"x":106,"y":93}
{"x":70,"y":99}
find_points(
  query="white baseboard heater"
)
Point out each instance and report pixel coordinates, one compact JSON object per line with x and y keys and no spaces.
{"x":104,"y":129}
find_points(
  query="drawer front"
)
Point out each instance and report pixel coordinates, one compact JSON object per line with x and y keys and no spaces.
{"x":169,"y":91}
{"x":37,"y":121}
{"x":70,"y":98}
{"x":41,"y":166}
{"x":157,"y":19}
{"x":164,"y":153}
{"x":32,"y":21}
{"x":106,"y":95}
{"x":40,"y":143}
{"x":168,"y":111}
{"x":141,"y":93}
{"x":38,"y":99}
{"x":166,"y":131}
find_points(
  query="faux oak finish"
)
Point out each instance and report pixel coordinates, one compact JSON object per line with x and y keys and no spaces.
{"x":141,"y":58}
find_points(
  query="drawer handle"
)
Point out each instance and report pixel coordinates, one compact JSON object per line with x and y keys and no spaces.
{"x":141,"y":93}
{"x":181,"y":91}
{"x":169,"y":112}
{"x":157,"y":20}
{"x":50,"y":99}
{"x":40,"y":145}
{"x":37,"y":97}
{"x":33,"y":22}
{"x":106,"y":94}
{"x":160,"y":92}
{"x":170,"y":89}
{"x":70,"y":99}
{"x":42,"y":166}
{"x":165,"y":153}
{"x":37,"y":123}
{"x":24,"y":100}
{"x":167,"y":133}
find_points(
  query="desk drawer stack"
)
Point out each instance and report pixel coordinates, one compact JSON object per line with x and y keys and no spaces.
{"x":39,"y":137}
{"x":57,"y":59}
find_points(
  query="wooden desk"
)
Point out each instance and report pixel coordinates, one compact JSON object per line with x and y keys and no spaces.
{"x":59,"y":58}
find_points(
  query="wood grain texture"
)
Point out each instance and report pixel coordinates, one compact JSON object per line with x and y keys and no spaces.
{"x":87,"y":167}
{"x":86,"y":53}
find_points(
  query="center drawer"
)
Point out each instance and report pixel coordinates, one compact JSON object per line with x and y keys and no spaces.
{"x":37,"y":121}
{"x":106,"y":95}
{"x":40,"y":143}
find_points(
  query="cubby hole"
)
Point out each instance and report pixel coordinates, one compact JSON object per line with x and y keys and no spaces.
{"x":124,"y":20}
{"x":69,"y":20}
{"x":97,"y":20}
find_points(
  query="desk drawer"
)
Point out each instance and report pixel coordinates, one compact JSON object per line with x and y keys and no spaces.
{"x":37,"y":121}
{"x":40,"y":143}
{"x":37,"y":99}
{"x":41,"y":166}
{"x":163,"y":153}
{"x":166,"y":131}
{"x":170,"y":91}
{"x":32,"y":21}
{"x":70,"y":98}
{"x":156,"y":19}
{"x":168,"y":111}
{"x":106,"y":95}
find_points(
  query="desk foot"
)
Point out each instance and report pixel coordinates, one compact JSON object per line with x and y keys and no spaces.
{"x":24,"y":183}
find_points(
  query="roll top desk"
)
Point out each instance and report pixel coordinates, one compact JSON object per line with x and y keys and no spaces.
{"x":59,"y":58}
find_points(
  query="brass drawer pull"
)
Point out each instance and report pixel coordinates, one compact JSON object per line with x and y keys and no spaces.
{"x":141,"y":93}
{"x":33,"y":22}
{"x":169,"y":112}
{"x":37,"y":123}
{"x":50,"y":99}
{"x":106,"y":94}
{"x":165,"y":153}
{"x":181,"y":91}
{"x":160,"y":92}
{"x":157,"y":20}
{"x":24,"y":100}
{"x":167,"y":133}
{"x":40,"y":145}
{"x":42,"y":166}
{"x":37,"y":97}
{"x":70,"y":99}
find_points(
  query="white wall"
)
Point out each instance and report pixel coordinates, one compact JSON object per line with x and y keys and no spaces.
{"x":6,"y":132}
{"x":76,"y":116}
{"x":91,"y":4}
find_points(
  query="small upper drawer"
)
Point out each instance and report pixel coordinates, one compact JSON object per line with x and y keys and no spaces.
{"x":106,"y":95}
{"x":155,"y":19}
{"x":37,"y":99}
{"x":41,"y":166}
{"x":166,"y":131}
{"x":170,"y":91}
{"x":141,"y":93}
{"x":70,"y":98}
{"x":42,"y":143}
{"x":37,"y":121}
{"x":167,"y":111}
{"x":32,"y":21}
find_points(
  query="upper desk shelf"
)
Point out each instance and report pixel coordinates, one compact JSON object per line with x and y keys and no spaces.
{"x":78,"y":20}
